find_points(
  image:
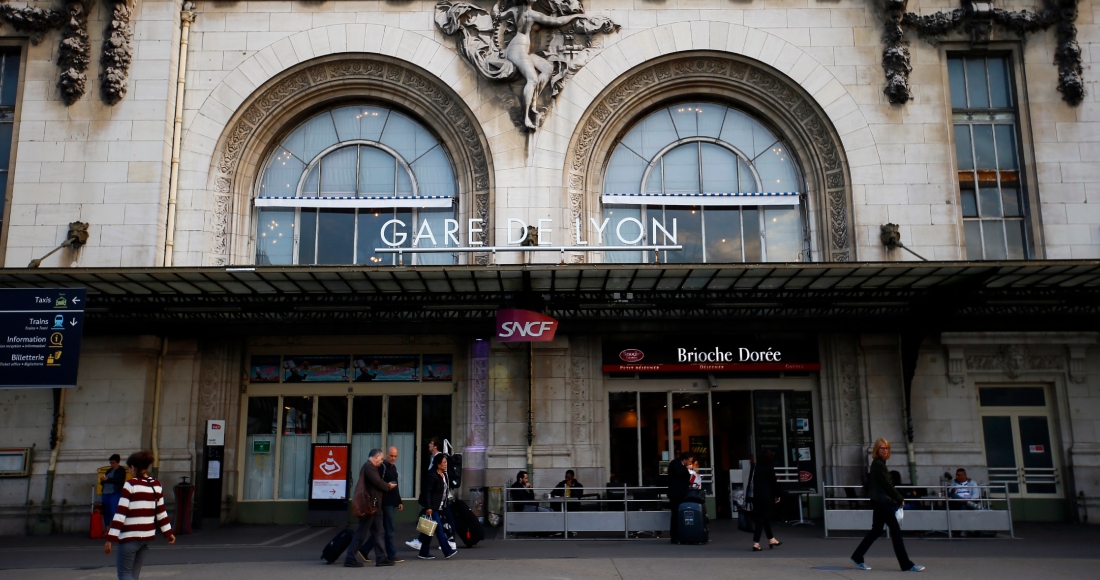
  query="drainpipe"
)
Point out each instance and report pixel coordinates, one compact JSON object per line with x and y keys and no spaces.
{"x":530,"y":407}
{"x":909,"y":352}
{"x":156,"y":406}
{"x":45,"y":524}
{"x":186,"y":18}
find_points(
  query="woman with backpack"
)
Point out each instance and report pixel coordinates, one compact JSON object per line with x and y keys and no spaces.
{"x":885,"y":501}
{"x":433,"y":497}
{"x":140,"y":513}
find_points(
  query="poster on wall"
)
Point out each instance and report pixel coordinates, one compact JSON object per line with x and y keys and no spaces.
{"x":263,"y":369}
{"x":438,"y":367}
{"x":800,"y":437}
{"x":385,"y":367}
{"x":767,"y":412}
{"x":315,"y":369}
{"x":329,"y":472}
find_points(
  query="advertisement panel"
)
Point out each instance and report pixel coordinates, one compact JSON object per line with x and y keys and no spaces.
{"x":264,"y":369}
{"x":386,"y":367}
{"x":718,"y":354}
{"x":438,"y":367}
{"x":514,"y":325}
{"x":315,"y":369}
{"x":40,"y":332}
{"x":329,"y":477}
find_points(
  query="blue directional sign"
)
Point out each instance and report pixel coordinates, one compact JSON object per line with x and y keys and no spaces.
{"x":40,"y":332}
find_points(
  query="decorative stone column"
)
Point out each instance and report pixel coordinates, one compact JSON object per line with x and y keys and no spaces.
{"x":477,"y":437}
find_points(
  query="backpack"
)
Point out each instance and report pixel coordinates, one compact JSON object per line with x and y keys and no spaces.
{"x":454,"y":465}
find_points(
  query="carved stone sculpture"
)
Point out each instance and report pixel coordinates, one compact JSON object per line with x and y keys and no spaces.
{"x":74,"y":54}
{"x":117,"y":54}
{"x":505,"y":44}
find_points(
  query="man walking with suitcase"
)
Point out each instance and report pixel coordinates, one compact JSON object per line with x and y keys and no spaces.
{"x":367,"y":506}
{"x":679,"y":480}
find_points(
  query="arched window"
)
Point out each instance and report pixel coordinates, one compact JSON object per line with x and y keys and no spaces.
{"x":330,"y":190}
{"x":722,"y":182}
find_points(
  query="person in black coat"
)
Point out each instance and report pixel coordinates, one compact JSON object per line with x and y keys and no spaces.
{"x":391,"y":501}
{"x":433,"y":498}
{"x":885,"y":501}
{"x":764,"y":492}
{"x":679,"y":480}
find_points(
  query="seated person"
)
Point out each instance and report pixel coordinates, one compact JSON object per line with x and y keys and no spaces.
{"x":568,"y":487}
{"x":522,"y":497}
{"x":965,"y":489}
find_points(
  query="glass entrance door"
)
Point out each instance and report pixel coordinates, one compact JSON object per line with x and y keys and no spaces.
{"x":1016,"y":427}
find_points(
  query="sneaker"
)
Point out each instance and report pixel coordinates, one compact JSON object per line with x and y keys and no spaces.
{"x":414,"y":544}
{"x":455,"y":552}
{"x":428,"y":557}
{"x":453,"y":545}
{"x":385,"y":563}
{"x":861,"y":565}
{"x":352,"y":563}
{"x":397,"y":560}
{"x":916,"y":568}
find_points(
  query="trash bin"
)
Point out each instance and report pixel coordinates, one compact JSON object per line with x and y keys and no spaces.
{"x":496,"y":506}
{"x":185,"y":495}
{"x":477,"y":502}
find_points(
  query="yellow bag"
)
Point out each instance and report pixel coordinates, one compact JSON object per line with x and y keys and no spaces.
{"x":426,"y":525}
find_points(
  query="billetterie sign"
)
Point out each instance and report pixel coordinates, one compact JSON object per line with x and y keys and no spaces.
{"x":515,"y":325}
{"x":722,"y":354}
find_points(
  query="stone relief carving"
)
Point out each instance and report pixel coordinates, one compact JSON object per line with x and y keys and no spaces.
{"x":479,"y":394}
{"x":978,"y":19}
{"x":220,"y":246}
{"x":539,"y":43}
{"x":429,"y":90}
{"x":32,"y":20}
{"x":1013,"y":360}
{"x":115,"y":61}
{"x":74,"y":54}
{"x":578,"y":386}
{"x":826,"y":147}
{"x":851,"y":407}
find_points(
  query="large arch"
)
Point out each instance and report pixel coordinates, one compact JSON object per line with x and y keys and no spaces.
{"x":743,"y":82}
{"x":279,"y":104}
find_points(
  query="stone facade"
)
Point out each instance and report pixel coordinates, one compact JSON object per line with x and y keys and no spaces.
{"x":254,"y":69}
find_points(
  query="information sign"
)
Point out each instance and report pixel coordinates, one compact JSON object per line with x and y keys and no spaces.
{"x":40,"y":331}
{"x":330,"y":472}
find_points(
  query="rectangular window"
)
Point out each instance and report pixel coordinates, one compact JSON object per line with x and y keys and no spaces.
{"x":984,"y":116}
{"x":9,"y":85}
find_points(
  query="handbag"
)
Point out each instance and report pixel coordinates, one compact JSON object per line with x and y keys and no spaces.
{"x":427,"y":526}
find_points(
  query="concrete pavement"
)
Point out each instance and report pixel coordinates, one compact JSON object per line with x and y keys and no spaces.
{"x":278,"y":552}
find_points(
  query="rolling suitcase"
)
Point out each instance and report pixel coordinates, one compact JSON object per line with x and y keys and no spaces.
{"x":338,"y":546}
{"x":466,"y":525}
{"x":692,"y":523}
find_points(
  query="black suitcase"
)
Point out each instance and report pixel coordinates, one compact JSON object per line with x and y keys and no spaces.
{"x":338,"y":546}
{"x":466,"y":525}
{"x":692,"y":523}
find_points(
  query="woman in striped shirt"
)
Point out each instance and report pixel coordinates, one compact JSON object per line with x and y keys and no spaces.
{"x":140,"y":512}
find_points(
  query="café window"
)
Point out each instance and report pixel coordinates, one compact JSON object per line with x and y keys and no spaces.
{"x":984,"y":117}
{"x":716,"y":180}
{"x":330,"y":190}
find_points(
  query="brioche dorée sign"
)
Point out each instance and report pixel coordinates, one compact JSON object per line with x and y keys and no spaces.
{"x":515,"y":325}
{"x":721,"y":354}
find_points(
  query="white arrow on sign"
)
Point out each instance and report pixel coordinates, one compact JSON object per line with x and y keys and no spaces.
{"x":75,"y":300}
{"x":72,"y":322}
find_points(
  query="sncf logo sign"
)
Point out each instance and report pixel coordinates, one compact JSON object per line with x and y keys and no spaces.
{"x":514,"y":325}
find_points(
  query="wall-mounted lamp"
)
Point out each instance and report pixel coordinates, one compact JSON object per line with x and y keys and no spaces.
{"x":891,"y":238}
{"x":77,"y":236}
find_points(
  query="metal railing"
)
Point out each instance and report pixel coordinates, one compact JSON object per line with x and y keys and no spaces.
{"x":608,"y":510}
{"x":845,"y":510}
{"x":1017,"y":476}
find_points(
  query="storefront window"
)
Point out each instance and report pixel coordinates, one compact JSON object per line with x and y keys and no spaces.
{"x":402,"y":434}
{"x":691,"y":426}
{"x":654,"y":438}
{"x":332,"y":420}
{"x":295,"y":447}
{"x":622,"y":420}
{"x":366,"y":429}
{"x":260,"y":430}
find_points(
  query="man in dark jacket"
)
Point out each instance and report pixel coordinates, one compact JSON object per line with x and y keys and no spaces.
{"x":679,"y":480}
{"x":523,"y":499}
{"x":368,"y":495}
{"x":391,"y":502}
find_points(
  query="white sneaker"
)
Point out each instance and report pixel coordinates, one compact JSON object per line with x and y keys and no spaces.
{"x":453,"y":545}
{"x":414,"y":544}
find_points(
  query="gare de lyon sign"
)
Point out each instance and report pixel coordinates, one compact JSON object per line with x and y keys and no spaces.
{"x":42,"y":330}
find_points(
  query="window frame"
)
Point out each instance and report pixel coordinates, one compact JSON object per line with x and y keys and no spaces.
{"x":1031,"y":209}
{"x":19,"y":45}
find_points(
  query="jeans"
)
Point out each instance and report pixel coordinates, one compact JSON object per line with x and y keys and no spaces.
{"x":110,"y":506}
{"x":536,"y":508}
{"x":129,"y":559}
{"x":884,"y":516}
{"x":373,"y":525}
{"x":387,"y":525}
{"x":426,"y":540}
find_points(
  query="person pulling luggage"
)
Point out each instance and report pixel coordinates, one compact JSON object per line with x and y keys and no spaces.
{"x":366,"y":504}
{"x":679,"y":481}
{"x":433,"y":497}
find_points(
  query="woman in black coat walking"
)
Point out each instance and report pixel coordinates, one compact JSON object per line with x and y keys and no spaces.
{"x":764,"y":492}
{"x":433,"y":497}
{"x":885,"y":501}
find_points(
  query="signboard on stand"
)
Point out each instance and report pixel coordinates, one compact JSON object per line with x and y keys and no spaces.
{"x":40,"y":331}
{"x":329,"y":483}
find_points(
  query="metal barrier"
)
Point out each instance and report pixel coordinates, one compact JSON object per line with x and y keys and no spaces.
{"x":610,"y":510}
{"x":934,"y":513}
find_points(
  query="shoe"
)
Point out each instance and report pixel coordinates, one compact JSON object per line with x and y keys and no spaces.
{"x":384,"y":563}
{"x":397,"y":560}
{"x":453,"y":545}
{"x":414,"y":544}
{"x":916,"y":568}
{"x":455,"y":553}
{"x":428,"y":557}
{"x":365,"y":557}
{"x":861,"y":565}
{"x":771,"y":545}
{"x":756,"y":548}
{"x":352,"y":563}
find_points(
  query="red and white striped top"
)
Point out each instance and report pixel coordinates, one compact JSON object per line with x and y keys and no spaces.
{"x":140,"y":511}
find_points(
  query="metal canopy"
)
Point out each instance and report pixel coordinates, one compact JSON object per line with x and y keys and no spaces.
{"x":623,"y":297}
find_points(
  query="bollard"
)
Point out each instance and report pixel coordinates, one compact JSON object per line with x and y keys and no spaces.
{"x":185,"y":494}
